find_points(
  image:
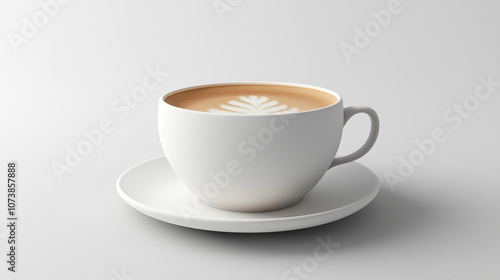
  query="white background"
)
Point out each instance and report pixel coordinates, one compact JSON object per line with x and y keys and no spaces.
{"x":442,"y":222}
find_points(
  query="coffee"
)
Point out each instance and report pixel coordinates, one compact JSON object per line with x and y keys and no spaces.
{"x":251,"y":99}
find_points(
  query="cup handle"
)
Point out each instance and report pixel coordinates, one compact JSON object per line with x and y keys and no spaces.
{"x":375,"y":126}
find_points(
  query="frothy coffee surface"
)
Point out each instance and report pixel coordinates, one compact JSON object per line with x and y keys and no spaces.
{"x":251,"y":99}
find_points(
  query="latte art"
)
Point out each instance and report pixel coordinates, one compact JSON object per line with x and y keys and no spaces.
{"x":257,"y":105}
{"x":250,"y":99}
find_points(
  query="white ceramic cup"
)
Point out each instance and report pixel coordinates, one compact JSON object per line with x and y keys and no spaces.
{"x":255,"y":163}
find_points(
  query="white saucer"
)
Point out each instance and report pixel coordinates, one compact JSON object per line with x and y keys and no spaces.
{"x":152,"y":188}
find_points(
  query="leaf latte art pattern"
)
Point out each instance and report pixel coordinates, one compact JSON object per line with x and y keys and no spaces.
{"x":256,"y":105}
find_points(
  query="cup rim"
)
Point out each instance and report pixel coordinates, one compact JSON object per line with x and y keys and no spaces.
{"x":163,"y":96}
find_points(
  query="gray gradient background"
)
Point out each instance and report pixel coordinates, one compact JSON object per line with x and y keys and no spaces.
{"x":443,"y":222}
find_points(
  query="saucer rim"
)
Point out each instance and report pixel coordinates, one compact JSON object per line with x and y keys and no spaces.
{"x":360,"y":204}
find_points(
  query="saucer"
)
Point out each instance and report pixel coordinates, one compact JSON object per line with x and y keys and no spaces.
{"x":152,"y":188}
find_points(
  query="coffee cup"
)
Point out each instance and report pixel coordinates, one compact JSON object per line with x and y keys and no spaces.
{"x":255,"y":146}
